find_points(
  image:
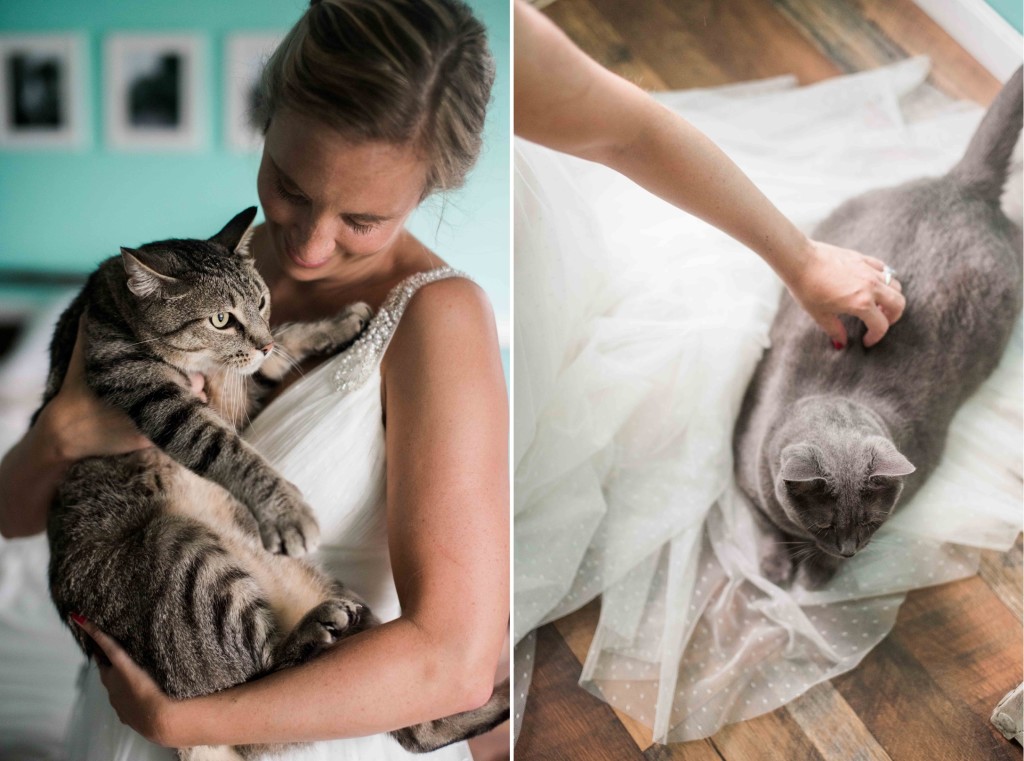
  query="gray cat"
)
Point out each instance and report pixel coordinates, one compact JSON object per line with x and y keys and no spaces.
{"x":166,"y":549}
{"x":828,"y":441}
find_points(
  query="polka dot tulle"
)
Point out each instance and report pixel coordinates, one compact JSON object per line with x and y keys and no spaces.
{"x":637,"y":330}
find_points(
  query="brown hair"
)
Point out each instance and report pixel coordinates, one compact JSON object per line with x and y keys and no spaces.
{"x":398,"y":71}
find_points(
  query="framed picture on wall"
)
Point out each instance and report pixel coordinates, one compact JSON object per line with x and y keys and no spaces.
{"x":152,"y":92}
{"x":244,"y":58}
{"x":42,"y":91}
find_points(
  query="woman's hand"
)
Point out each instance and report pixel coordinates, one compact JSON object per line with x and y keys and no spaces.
{"x":83,"y":425}
{"x":137,"y":699}
{"x":80,"y":423}
{"x":836,"y":281}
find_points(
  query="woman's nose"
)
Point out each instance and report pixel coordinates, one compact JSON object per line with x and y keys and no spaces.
{"x":314,"y":244}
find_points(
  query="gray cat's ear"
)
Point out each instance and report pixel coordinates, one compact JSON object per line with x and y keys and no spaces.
{"x":144,"y":281}
{"x":887,"y":461}
{"x":236,"y":234}
{"x":801,"y":462}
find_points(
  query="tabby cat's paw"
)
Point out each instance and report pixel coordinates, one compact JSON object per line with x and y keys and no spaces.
{"x":324,"y":625}
{"x":287,"y":523}
{"x":346,"y":327}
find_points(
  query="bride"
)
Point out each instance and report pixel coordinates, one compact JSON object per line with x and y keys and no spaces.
{"x":637,"y":329}
{"x":399,"y":443}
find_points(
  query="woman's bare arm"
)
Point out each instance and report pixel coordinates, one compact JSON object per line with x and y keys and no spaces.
{"x":567,"y":101}
{"x":75,"y":424}
{"x":29,"y":475}
{"x":447,"y":491}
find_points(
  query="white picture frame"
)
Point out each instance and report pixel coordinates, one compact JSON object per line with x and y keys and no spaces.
{"x":153,"y":98}
{"x":43,"y":91}
{"x":245,"y":54}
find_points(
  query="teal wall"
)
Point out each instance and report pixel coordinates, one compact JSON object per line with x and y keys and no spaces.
{"x":66,"y":210}
{"x":1011,"y":10}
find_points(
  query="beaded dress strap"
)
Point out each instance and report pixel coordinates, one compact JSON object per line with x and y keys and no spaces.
{"x":359,"y":361}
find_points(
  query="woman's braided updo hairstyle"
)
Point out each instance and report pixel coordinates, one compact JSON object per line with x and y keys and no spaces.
{"x":398,"y":71}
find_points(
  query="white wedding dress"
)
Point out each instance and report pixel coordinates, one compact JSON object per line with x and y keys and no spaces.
{"x":324,"y":434}
{"x":637,"y":330}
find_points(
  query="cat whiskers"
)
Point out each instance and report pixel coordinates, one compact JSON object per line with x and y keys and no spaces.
{"x":289,"y":358}
{"x":147,"y":341}
{"x":242,"y":399}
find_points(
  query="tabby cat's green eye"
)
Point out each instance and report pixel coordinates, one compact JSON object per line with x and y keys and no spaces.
{"x":220,"y":320}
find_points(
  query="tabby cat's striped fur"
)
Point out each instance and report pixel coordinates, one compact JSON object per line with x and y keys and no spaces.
{"x":166,"y":549}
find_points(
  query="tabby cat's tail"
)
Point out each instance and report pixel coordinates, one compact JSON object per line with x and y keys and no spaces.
{"x":431,"y":735}
{"x":984,"y":165}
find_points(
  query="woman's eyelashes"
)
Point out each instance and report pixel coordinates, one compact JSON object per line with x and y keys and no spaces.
{"x":360,"y":228}
{"x":354,"y":223}
{"x":288,"y":195}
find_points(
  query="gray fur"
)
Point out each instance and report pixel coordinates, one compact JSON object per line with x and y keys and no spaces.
{"x":828,"y":441}
{"x":166,"y":549}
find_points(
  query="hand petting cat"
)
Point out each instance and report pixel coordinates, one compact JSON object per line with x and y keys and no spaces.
{"x":835,"y":281}
{"x":570,"y":103}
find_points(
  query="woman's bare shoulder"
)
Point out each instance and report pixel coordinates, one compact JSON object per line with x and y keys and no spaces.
{"x":448,"y":327}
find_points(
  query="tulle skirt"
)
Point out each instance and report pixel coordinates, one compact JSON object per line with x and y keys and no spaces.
{"x":637,"y":331}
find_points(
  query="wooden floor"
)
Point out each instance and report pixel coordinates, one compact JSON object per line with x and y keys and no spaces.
{"x":927,"y":691}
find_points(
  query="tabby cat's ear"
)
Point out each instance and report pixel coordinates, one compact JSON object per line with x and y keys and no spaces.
{"x":887,"y":461}
{"x":144,"y":281}
{"x":237,"y":233}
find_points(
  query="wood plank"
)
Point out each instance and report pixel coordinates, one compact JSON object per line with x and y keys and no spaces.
{"x":561,"y":719}
{"x":577,"y":629}
{"x":1004,"y":573}
{"x":833,"y":727}
{"x":749,"y":39}
{"x":914,"y":691}
{"x":840,"y":31}
{"x":592,"y":33}
{"x":864,"y":34}
{"x":657,"y":36}
{"x":773,"y":736}
{"x":702,"y":750}
{"x":976,"y":659}
{"x":908,"y":714}
{"x":954,"y":71}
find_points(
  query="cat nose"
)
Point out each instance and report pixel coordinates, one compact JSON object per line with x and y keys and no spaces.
{"x":268,"y":348}
{"x":848,"y":548}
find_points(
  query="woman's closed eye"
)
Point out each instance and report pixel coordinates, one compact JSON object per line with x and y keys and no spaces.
{"x":359,"y":226}
{"x":288,"y":195}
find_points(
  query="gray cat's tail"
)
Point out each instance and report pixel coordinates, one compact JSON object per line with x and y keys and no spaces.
{"x":983,"y":167}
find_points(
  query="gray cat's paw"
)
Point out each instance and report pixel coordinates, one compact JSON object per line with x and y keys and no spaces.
{"x":815,"y":573}
{"x":287,"y":524}
{"x":778,"y":567}
{"x":327,"y":623}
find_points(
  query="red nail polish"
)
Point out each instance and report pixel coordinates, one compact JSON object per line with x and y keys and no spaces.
{"x":837,"y":346}
{"x":78,"y":619}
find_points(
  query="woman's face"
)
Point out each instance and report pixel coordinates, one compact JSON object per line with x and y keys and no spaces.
{"x":334,"y":207}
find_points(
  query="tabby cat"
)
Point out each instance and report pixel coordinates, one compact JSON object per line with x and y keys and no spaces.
{"x":166,"y":549}
{"x":827,"y":441}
